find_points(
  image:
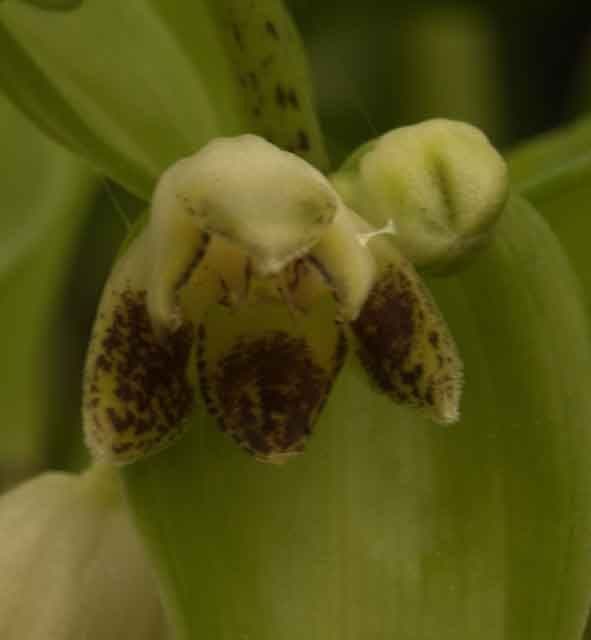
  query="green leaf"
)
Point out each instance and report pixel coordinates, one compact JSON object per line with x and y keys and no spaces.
{"x":391,"y":526}
{"x":56,"y":5}
{"x":552,"y":164}
{"x":554,"y":172}
{"x":113,"y":82}
{"x":136,"y":86}
{"x":44,"y":191}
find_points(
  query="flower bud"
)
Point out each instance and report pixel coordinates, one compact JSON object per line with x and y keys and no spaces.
{"x":72,"y":566}
{"x":441,"y":183}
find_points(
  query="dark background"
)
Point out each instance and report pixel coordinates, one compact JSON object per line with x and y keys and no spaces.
{"x":513,"y":68}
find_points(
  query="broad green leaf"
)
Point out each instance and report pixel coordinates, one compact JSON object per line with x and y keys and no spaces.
{"x":44,"y":192}
{"x":390,"y":526}
{"x":553,"y":164}
{"x":134,"y":86}
{"x":112,"y":82}
{"x":57,"y":5}
{"x":554,"y":172}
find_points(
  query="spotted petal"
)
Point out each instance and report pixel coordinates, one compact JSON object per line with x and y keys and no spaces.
{"x":404,"y":342}
{"x":266,"y":373}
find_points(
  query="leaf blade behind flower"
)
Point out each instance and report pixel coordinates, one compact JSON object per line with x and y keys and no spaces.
{"x":390,"y":526}
{"x":44,"y":191}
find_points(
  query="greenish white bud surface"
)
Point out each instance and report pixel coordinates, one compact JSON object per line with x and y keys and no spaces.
{"x":441,"y":183}
{"x":72,"y":566}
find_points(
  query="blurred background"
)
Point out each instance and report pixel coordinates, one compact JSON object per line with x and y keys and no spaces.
{"x":512,"y":68}
{"x":515,"y":69}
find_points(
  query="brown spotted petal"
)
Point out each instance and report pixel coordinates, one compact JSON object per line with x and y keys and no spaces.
{"x":405,"y":345}
{"x":136,"y":391}
{"x":265,"y":373}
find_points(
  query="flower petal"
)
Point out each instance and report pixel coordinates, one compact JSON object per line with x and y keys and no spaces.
{"x":269,"y":203}
{"x":266,"y":372}
{"x":137,"y":395}
{"x":405,"y":345}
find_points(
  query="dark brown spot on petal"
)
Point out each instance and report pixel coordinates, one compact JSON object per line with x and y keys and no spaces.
{"x":303,"y":143}
{"x":271,"y":29}
{"x":268,"y":391}
{"x":194,"y":263}
{"x":280,"y":97}
{"x":254,"y":81}
{"x":385,"y":329}
{"x":122,"y":448}
{"x":237,"y":35}
{"x":293,"y":99}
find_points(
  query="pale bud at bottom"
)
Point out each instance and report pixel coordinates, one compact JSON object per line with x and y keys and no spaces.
{"x":72,"y":566}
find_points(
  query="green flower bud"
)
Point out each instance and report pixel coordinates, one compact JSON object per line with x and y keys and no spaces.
{"x":441,"y":184}
{"x":241,"y":289}
{"x":72,"y":565}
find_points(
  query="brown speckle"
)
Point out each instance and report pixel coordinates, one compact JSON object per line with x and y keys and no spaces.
{"x":280,"y":97}
{"x":303,"y":143}
{"x":194,"y":263}
{"x":254,"y":80}
{"x":271,"y":29}
{"x":293,"y":100}
{"x":237,"y":35}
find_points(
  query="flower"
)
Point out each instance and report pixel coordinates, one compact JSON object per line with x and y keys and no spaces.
{"x":248,"y":281}
{"x":388,"y":526}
